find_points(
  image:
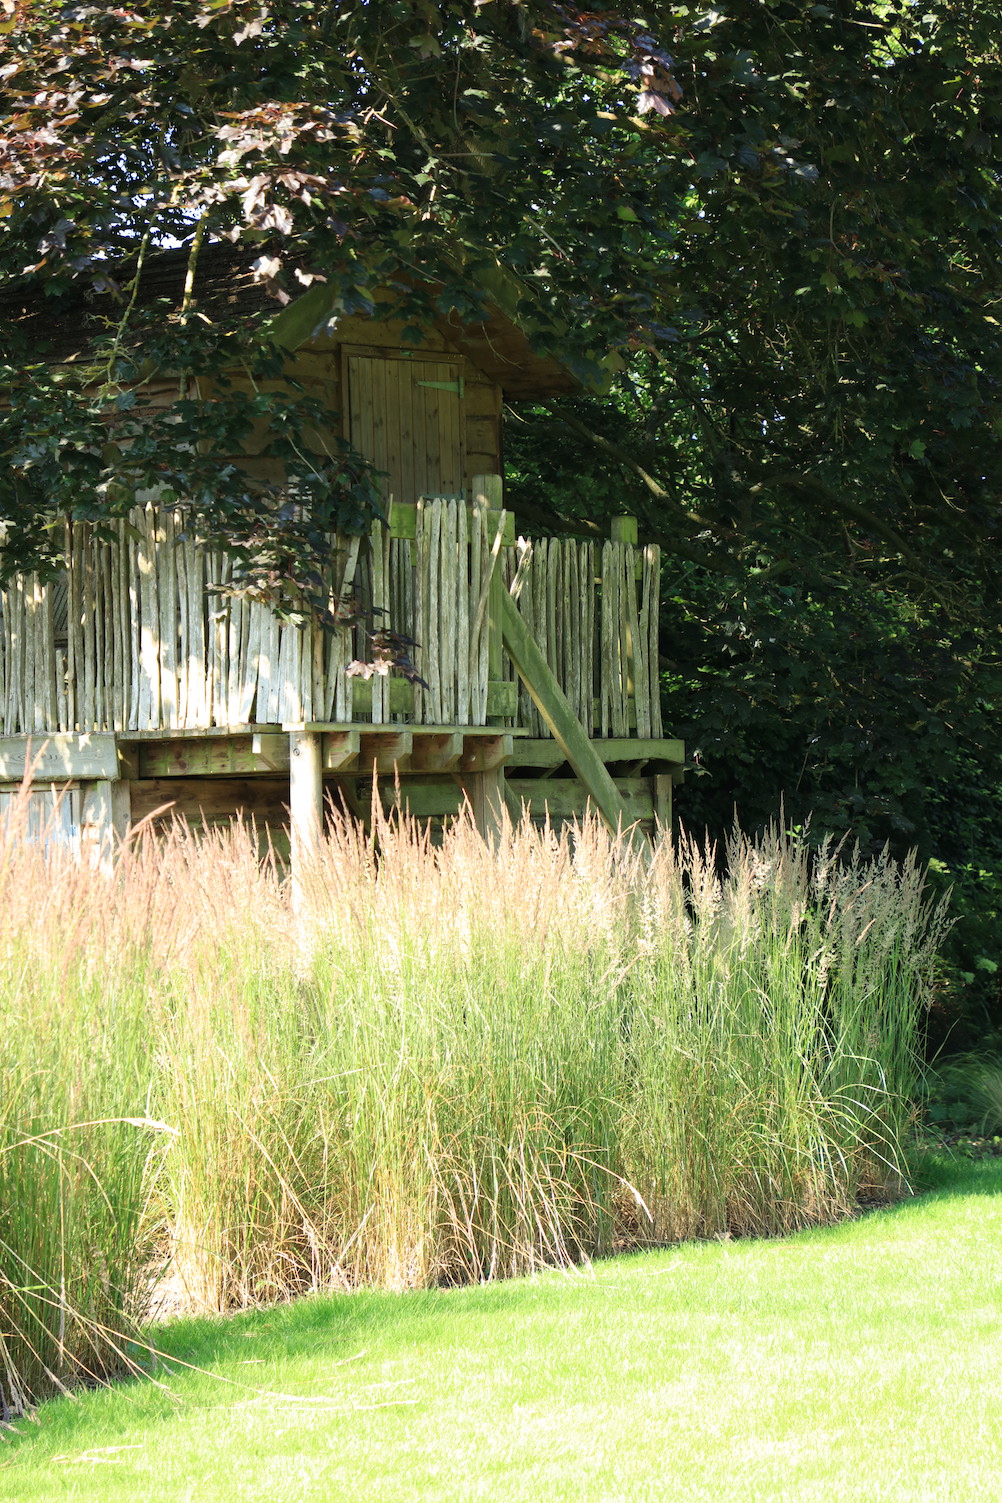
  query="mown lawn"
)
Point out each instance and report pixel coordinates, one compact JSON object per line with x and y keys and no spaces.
{"x":861,"y":1362}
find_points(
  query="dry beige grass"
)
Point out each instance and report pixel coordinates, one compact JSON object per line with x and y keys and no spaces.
{"x":452,"y":1063}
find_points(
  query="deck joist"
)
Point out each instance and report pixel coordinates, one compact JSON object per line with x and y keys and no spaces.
{"x":246,"y":751}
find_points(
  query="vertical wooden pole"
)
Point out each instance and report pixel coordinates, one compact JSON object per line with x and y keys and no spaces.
{"x":105,"y":810}
{"x":486,"y":793}
{"x":306,"y":803}
{"x":662,"y":803}
{"x":624,"y":530}
{"x":488,"y":496}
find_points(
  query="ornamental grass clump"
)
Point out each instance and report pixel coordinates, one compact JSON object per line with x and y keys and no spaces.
{"x":76,"y":1134}
{"x":442,"y":1063}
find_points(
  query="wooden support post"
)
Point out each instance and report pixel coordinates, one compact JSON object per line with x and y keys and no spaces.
{"x":662,"y":802}
{"x":563,"y":724}
{"x":306,"y":802}
{"x":485,"y":791}
{"x":624,"y":530}
{"x":58,"y":757}
{"x":104,"y":819}
{"x":481,"y":777}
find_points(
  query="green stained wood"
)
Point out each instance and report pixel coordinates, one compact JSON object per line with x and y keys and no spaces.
{"x":502,"y":697}
{"x":533,"y":752}
{"x":624,"y":530}
{"x":428,"y":800}
{"x":563,"y":724}
{"x":401,"y":696}
{"x":506,"y":521}
{"x":214,"y":756}
{"x":402,"y":519}
{"x":488,"y":497}
{"x":565,"y":798}
{"x":662,"y":800}
{"x":305,"y":317}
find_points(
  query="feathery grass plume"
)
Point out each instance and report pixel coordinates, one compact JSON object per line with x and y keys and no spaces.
{"x":448,"y":1062}
{"x":76,"y":1133}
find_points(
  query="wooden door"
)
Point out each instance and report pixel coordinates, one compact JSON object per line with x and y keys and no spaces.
{"x":406,"y":417}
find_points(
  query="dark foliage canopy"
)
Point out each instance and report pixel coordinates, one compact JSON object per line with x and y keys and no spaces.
{"x":783,"y":217}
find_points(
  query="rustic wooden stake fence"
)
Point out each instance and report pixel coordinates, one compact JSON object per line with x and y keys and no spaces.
{"x":132,"y":639}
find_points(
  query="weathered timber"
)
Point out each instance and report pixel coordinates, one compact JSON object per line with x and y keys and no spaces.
{"x":485,"y":794}
{"x":439,"y":753}
{"x":623,"y":529}
{"x":402,"y":519}
{"x":566,"y":798}
{"x":398,"y":696}
{"x":59,"y":756}
{"x":566,"y":729}
{"x":265,"y":799}
{"x":546,"y":752}
{"x":502,"y":699}
{"x":486,"y":753}
{"x":306,"y":795}
{"x":263,"y":751}
{"x":663,"y":800}
{"x":147,"y":649}
{"x":340,"y":749}
{"x":385,"y":751}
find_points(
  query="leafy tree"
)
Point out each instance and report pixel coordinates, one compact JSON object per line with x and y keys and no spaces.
{"x":783,"y":217}
{"x":344,"y":147}
{"x":811,"y":426}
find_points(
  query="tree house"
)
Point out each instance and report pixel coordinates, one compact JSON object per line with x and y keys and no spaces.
{"x":131,"y":688}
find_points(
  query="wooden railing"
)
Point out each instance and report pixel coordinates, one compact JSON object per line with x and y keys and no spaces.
{"x":133,"y":639}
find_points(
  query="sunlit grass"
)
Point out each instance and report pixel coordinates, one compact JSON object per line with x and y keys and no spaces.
{"x":449,"y":1065}
{"x":856,"y":1362}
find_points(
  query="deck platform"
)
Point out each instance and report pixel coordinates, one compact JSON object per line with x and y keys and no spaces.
{"x":111,"y":780}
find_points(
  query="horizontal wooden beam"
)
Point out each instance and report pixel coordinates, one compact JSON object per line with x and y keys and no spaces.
{"x":426,"y":800}
{"x":200,"y":732}
{"x":540,"y":752}
{"x":213,"y":800}
{"x":566,"y":798}
{"x":557,"y":798}
{"x":380,"y":727}
{"x":57,"y":756}
{"x":264,"y":751}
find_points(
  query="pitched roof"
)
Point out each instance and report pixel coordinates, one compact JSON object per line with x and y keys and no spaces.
{"x":60,"y":327}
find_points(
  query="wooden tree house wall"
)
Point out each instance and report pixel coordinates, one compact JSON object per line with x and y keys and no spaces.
{"x":161,"y":700}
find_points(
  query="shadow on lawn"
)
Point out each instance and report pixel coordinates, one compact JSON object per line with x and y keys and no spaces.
{"x":337,"y":1328}
{"x":340,"y":1325}
{"x":945,"y":1174}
